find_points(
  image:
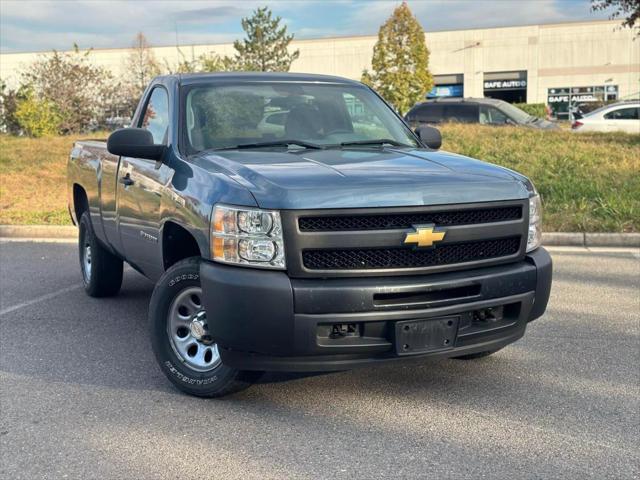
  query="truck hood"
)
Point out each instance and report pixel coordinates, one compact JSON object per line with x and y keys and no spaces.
{"x":363,"y":177}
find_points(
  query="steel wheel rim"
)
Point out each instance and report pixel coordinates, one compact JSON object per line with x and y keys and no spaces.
{"x":186,"y":310}
{"x":86,"y":262}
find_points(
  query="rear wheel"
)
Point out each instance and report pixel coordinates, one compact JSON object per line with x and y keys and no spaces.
{"x":101,"y":270}
{"x":183,"y":347}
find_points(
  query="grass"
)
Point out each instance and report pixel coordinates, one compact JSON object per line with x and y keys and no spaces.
{"x":33,"y":176}
{"x":588,"y":182}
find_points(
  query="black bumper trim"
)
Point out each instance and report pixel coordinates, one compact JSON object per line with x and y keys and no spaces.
{"x":328,"y":363}
{"x":263,"y":320}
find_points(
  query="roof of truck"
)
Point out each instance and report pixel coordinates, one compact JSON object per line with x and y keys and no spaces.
{"x":189,"y":78}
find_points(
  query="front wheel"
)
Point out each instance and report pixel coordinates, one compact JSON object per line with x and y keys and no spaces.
{"x":183,"y":347}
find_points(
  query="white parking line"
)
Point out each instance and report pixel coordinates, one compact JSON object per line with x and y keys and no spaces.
{"x":43,"y":298}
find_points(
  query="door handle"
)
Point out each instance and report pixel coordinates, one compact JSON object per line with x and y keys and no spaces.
{"x":126,"y":180}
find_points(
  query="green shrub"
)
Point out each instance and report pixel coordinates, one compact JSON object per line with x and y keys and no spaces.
{"x":37,"y":117}
{"x":536,"y":109}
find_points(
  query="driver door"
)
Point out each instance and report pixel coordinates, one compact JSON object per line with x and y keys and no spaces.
{"x":141,"y":185}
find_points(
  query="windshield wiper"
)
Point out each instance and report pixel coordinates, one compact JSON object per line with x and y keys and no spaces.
{"x":275,"y":143}
{"x":381,"y":141}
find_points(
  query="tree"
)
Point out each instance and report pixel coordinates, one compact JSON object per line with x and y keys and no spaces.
{"x":400,"y":61}
{"x":9,"y":99}
{"x":141,"y":65}
{"x":629,"y":9}
{"x":213,"y":62}
{"x":84,"y":94}
{"x":266,"y":46}
{"x":37,"y":117}
{"x":207,"y":62}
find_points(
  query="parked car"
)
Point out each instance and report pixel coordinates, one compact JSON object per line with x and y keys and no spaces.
{"x":486,"y":111}
{"x":329,"y":247}
{"x":617,"y":117}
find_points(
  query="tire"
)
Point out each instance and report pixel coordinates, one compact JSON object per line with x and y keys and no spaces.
{"x":475,"y":356}
{"x":101,"y":270}
{"x":186,"y":353}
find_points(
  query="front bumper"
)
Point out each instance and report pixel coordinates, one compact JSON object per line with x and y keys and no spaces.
{"x":264,"y":320}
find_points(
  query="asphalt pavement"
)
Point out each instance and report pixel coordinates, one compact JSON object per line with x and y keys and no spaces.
{"x":81,"y":395}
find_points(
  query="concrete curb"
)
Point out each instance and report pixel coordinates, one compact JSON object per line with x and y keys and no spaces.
{"x":591,"y":239}
{"x":559,"y":239}
{"x":38,"y":231}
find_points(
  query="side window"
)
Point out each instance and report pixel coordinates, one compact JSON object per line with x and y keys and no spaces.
{"x":623,"y":114}
{"x":276,"y":118}
{"x":461,"y":113}
{"x":429,"y":113}
{"x":156,"y":115}
{"x":491,"y":116}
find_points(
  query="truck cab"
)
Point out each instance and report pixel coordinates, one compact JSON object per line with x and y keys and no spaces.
{"x":295,"y":222}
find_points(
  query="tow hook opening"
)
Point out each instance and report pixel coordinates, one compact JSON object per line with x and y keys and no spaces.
{"x":486,"y":315}
{"x":339,"y":330}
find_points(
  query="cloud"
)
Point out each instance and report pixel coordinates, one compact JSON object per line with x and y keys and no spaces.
{"x":211,"y":14}
{"x":42,"y":25}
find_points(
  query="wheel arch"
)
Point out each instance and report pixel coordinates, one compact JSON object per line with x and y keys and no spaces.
{"x":179,"y":243}
{"x":80,"y":201}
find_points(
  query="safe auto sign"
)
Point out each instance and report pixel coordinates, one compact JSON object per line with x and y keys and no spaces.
{"x":504,"y":84}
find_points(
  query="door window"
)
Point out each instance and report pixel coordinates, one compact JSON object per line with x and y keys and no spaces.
{"x":428,"y":113}
{"x":156,"y":116}
{"x":623,"y":114}
{"x":492,"y":116}
{"x":461,"y":113}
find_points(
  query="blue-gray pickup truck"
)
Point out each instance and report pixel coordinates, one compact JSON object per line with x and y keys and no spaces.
{"x":295,"y":222}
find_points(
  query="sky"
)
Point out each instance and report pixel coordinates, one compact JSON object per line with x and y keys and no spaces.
{"x":42,"y":25}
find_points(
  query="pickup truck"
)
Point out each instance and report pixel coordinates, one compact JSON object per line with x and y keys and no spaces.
{"x":295,"y":222}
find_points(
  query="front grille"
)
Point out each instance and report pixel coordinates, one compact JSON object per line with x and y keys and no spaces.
{"x":407,"y":220}
{"x":389,"y":258}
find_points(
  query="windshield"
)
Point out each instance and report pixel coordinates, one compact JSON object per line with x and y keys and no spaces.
{"x":226,"y":116}
{"x":514,"y":113}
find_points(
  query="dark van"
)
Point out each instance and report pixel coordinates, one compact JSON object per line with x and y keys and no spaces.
{"x":486,"y":111}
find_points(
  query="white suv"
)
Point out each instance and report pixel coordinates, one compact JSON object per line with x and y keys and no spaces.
{"x":618,"y":117}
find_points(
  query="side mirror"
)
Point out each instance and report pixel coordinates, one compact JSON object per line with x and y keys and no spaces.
{"x":134,"y":142}
{"x":430,"y":136}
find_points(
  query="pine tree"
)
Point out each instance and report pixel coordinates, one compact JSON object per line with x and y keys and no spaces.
{"x":265,"y":48}
{"x":400,"y":61}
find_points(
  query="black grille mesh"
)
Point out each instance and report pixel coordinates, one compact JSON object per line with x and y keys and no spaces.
{"x":407,"y":220}
{"x":379,"y":258}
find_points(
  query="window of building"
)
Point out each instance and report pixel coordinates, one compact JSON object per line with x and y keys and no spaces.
{"x":447,"y":86}
{"x":564,"y":101}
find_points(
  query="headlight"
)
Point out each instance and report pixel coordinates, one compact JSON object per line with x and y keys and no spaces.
{"x":247,"y":236}
{"x":534,"y":238}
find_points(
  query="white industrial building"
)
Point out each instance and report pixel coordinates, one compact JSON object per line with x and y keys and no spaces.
{"x":552,"y":63}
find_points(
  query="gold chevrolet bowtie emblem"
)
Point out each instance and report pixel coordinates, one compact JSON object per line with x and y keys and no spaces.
{"x":424,"y":236}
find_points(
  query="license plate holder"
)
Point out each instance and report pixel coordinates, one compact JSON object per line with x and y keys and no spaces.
{"x":426,"y":335}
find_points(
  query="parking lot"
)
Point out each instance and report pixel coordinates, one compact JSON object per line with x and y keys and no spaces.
{"x":82,"y":397}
